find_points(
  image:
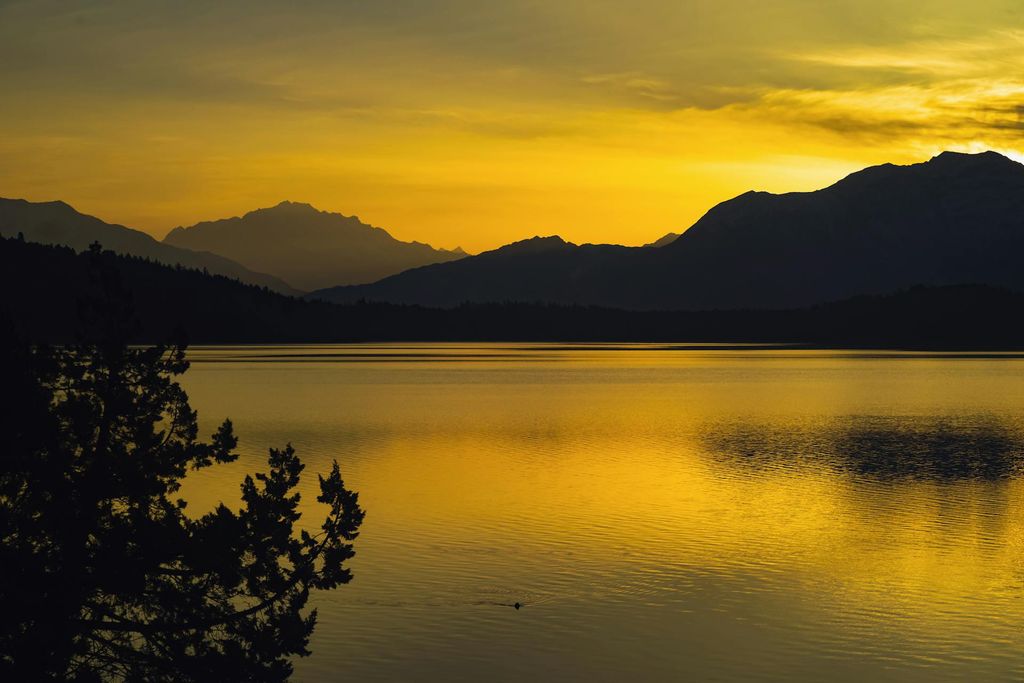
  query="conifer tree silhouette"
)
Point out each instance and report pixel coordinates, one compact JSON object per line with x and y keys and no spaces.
{"x":104,"y":574}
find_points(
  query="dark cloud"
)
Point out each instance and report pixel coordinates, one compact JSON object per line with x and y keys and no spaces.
{"x":695,"y":53}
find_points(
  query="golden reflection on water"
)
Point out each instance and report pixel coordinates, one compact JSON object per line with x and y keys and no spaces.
{"x":663,"y":512}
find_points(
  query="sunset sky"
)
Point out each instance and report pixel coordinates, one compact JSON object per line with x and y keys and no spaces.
{"x":461,"y":122}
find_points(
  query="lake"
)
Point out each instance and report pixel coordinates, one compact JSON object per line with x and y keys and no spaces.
{"x":662,"y":512}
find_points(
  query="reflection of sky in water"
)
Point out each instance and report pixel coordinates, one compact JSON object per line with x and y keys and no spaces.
{"x":662,"y":512}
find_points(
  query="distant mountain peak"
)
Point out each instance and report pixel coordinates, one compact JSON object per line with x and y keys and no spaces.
{"x":58,"y":222}
{"x":55,"y":204}
{"x":962,"y":162}
{"x":60,"y":205}
{"x":288,"y":202}
{"x":950,"y":156}
{"x":950,"y":165}
{"x":535,"y":245}
{"x":664,"y":240}
{"x":292,"y":207}
{"x":308,"y":247}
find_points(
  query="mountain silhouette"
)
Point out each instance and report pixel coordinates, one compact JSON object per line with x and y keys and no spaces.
{"x":546,"y":269}
{"x":307,"y":247}
{"x":958,"y":218}
{"x":59,"y":223}
{"x":664,"y":240}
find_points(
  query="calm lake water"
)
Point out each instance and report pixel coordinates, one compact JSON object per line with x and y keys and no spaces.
{"x":664,"y":513}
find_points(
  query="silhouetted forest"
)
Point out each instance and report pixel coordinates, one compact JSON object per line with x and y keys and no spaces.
{"x":42,"y":285}
{"x":105,"y":575}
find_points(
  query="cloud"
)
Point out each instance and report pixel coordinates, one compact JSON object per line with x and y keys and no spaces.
{"x":604,"y":113}
{"x":963,"y":89}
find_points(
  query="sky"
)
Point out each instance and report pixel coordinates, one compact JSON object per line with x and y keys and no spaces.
{"x":469,"y":123}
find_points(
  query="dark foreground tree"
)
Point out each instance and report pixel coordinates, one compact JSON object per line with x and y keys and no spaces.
{"x":104,"y":575}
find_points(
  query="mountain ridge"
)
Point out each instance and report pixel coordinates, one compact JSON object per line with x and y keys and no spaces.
{"x":307,"y":246}
{"x":664,"y":240}
{"x":953,"y":219}
{"x":57,"y":222}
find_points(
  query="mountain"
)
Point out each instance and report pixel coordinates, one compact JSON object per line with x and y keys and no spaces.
{"x":58,"y":223}
{"x":958,"y":218}
{"x":544,"y":269}
{"x":307,"y":247}
{"x":49,"y":280}
{"x":662,"y":241}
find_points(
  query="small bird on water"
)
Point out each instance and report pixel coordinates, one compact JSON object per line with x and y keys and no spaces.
{"x":517,"y":605}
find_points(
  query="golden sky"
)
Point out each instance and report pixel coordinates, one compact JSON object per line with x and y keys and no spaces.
{"x":461,"y":122}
